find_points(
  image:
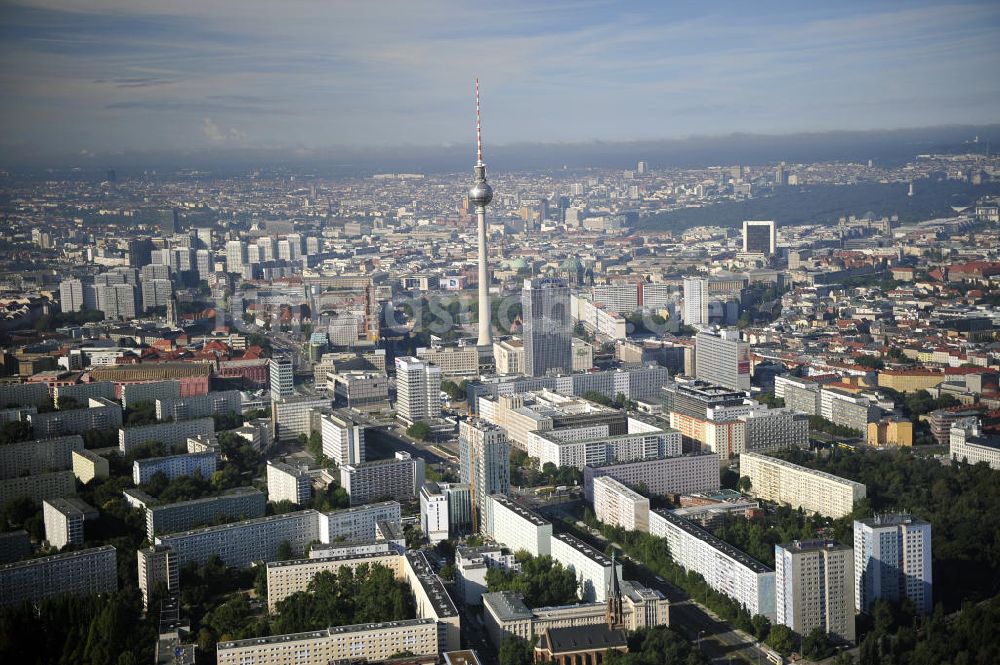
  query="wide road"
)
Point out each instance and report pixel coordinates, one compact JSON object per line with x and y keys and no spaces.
{"x":716,"y":638}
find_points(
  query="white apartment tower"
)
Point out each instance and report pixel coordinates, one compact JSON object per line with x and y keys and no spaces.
{"x":812,"y":581}
{"x":418,"y":389}
{"x":343,"y":439}
{"x":484,"y":453}
{"x":892,"y":560}
{"x":695,"y":301}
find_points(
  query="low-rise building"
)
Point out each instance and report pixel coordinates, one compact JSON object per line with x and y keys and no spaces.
{"x":471,"y":564}
{"x":970,"y":444}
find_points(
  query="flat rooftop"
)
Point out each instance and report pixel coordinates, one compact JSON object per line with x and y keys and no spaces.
{"x":521,"y":511}
{"x":591,"y":553}
{"x":320,"y":634}
{"x":892,"y":519}
{"x":796,"y":467}
{"x":432,"y":584}
{"x":733,"y":553}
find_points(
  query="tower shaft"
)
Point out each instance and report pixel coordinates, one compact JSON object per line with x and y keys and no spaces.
{"x":485,"y":332}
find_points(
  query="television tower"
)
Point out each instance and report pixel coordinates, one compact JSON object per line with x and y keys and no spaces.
{"x":480,"y":195}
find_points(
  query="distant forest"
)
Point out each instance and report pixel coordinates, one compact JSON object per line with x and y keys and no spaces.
{"x":825,"y":204}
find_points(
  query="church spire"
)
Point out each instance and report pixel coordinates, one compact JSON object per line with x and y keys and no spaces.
{"x":614,"y":612}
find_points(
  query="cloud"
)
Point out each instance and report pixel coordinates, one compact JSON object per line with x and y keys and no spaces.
{"x":392,"y":72}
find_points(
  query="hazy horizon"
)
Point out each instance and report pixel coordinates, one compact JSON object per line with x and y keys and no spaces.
{"x":133,"y":77}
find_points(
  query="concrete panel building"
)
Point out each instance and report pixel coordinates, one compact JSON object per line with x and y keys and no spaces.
{"x":40,"y":456}
{"x":199,"y":406}
{"x":591,"y":568}
{"x":723,"y":359}
{"x":892,"y":561}
{"x":173,"y":435}
{"x":64,"y":518}
{"x":517,"y":527}
{"x":174,"y":466}
{"x":88,"y":465}
{"x":725,"y":568}
{"x":294,"y":415}
{"x":399,"y":479}
{"x":83,"y":571}
{"x":288,"y":483}
{"x":813,"y":491}
{"x":617,"y":505}
{"x":418,"y":389}
{"x":343,"y":438}
{"x":484,"y":459}
{"x":663,"y":475}
{"x":814,"y":581}
{"x":100,"y":414}
{"x":240,"y":503}
{"x":38,"y":487}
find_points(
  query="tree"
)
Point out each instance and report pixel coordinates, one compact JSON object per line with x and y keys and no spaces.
{"x":285,"y":551}
{"x":419,"y":430}
{"x":761,"y":626}
{"x":781,"y":639}
{"x":542,"y":581}
{"x":515,"y":651}
{"x":816,"y":645}
{"x":744,"y":484}
{"x":456,"y":391}
{"x":13,"y":432}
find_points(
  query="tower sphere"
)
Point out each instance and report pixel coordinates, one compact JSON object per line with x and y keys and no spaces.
{"x":480,"y":194}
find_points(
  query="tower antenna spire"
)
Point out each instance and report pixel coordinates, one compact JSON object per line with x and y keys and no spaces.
{"x":479,"y":133}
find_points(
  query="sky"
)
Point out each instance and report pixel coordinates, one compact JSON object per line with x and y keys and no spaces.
{"x":83,"y":77}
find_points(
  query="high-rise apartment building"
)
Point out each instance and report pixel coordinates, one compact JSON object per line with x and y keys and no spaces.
{"x":236,"y":256}
{"x":812,"y":582}
{"x":343,"y":439}
{"x":695,"y":301}
{"x":282,"y":378}
{"x":64,"y":518}
{"x":418,"y":389}
{"x":288,"y":483}
{"x":484,"y":454}
{"x":399,"y":478}
{"x":71,"y":295}
{"x":548,"y":338}
{"x":759,"y":237}
{"x":892,"y":561}
{"x":722,"y":359}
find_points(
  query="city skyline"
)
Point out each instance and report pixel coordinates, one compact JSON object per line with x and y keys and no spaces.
{"x":107,"y":76}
